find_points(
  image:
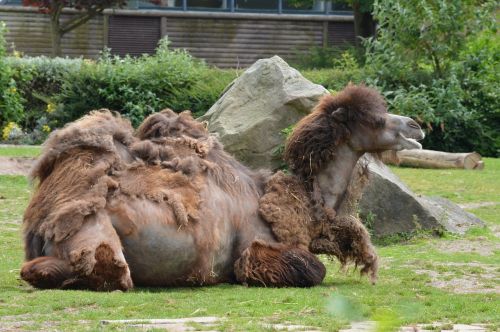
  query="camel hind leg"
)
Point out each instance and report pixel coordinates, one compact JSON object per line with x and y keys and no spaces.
{"x":278,"y":265}
{"x":46,"y":272}
{"x":95,"y":254}
{"x":92,"y":259}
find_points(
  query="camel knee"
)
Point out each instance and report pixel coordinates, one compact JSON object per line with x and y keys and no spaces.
{"x":100,"y":269}
{"x":278,"y":265}
{"x":46,"y":272}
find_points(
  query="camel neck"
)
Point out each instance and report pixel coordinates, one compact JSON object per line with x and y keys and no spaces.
{"x":334,"y":178}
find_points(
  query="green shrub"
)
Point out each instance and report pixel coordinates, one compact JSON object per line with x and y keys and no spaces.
{"x":437,"y":61}
{"x":38,"y":80}
{"x":207,"y":89}
{"x":11,"y":101}
{"x":318,"y":57}
{"x":135,"y":87}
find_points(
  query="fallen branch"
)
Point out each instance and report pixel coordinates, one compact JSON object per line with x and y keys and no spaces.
{"x":433,"y":159}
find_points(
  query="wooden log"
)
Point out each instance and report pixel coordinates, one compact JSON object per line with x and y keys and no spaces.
{"x":390,"y":157}
{"x":434,"y":159}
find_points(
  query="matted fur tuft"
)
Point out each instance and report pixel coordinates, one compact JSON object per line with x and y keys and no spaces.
{"x":169,"y":124}
{"x":316,"y":137}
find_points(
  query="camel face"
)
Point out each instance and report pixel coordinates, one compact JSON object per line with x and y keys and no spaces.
{"x":398,"y":133}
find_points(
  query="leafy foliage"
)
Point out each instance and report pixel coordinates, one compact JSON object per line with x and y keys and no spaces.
{"x":135,"y":87}
{"x":428,"y":62}
{"x":11,"y":108}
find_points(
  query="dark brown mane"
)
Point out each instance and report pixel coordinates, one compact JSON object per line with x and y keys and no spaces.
{"x":316,"y":137}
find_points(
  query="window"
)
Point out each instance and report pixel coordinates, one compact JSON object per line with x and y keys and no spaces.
{"x":257,"y":5}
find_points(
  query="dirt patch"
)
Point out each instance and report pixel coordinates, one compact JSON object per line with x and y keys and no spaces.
{"x":477,"y":205}
{"x":495,"y":229}
{"x":479,"y":246}
{"x":464,"y":278}
{"x":15,"y":165}
{"x":371,"y":326}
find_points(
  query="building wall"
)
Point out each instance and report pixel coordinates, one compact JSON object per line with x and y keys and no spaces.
{"x":223,"y":40}
{"x":29,"y":32}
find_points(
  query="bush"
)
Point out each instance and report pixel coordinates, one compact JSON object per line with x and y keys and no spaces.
{"x":346,"y":69}
{"x":437,"y":61}
{"x":135,"y":87}
{"x":41,"y":93}
{"x":38,"y":80}
{"x":11,"y":101}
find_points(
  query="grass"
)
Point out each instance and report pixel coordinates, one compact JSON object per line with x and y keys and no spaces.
{"x":402,"y":296}
{"x":19,"y":151}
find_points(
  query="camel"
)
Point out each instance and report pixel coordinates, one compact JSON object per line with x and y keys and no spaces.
{"x":167,"y":206}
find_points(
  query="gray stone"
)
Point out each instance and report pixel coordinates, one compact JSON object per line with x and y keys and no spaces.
{"x":390,"y":207}
{"x":267,"y":98}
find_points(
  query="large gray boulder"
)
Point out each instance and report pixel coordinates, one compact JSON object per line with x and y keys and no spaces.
{"x":267,"y":98}
{"x":388,"y":206}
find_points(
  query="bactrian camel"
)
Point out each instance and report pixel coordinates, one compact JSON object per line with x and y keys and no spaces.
{"x":167,"y":206}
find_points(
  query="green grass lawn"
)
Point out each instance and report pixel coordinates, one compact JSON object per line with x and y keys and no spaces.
{"x":403,"y":295}
{"x":19,"y":151}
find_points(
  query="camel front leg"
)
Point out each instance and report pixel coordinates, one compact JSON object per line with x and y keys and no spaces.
{"x":278,"y":265}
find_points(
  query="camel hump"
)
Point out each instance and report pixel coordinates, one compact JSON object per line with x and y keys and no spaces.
{"x":74,"y":174}
{"x":100,"y":130}
{"x":278,"y":265}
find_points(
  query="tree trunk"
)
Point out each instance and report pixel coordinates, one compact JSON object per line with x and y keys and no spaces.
{"x":56,"y":36}
{"x":364,"y":25}
{"x":433,"y":159}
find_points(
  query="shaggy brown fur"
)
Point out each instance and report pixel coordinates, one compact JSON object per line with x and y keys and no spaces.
{"x":177,"y":209}
{"x":96,"y":165}
{"x":314,"y":140}
{"x":278,"y":265}
{"x":347,"y":239}
{"x":288,"y":208}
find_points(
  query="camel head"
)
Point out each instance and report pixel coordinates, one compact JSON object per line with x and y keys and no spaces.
{"x":397,"y":133}
{"x":356,"y":118}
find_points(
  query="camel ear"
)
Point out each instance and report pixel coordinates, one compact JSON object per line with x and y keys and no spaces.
{"x":340,"y":114}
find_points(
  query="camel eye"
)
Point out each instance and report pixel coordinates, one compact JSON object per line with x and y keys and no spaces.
{"x":413,"y":125}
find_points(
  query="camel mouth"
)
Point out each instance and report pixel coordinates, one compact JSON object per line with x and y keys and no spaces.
{"x":412,"y":142}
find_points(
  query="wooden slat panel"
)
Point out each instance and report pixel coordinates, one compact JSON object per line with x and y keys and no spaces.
{"x":133,"y":35}
{"x":231,"y":43}
{"x":341,"y":34}
{"x":30,"y":34}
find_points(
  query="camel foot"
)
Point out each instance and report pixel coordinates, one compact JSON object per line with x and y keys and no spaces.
{"x":46,"y":272}
{"x":278,"y":265}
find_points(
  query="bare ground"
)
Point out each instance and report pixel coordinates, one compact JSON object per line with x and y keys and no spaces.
{"x":15,"y":165}
{"x":464,"y":278}
{"x":480,"y":246}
